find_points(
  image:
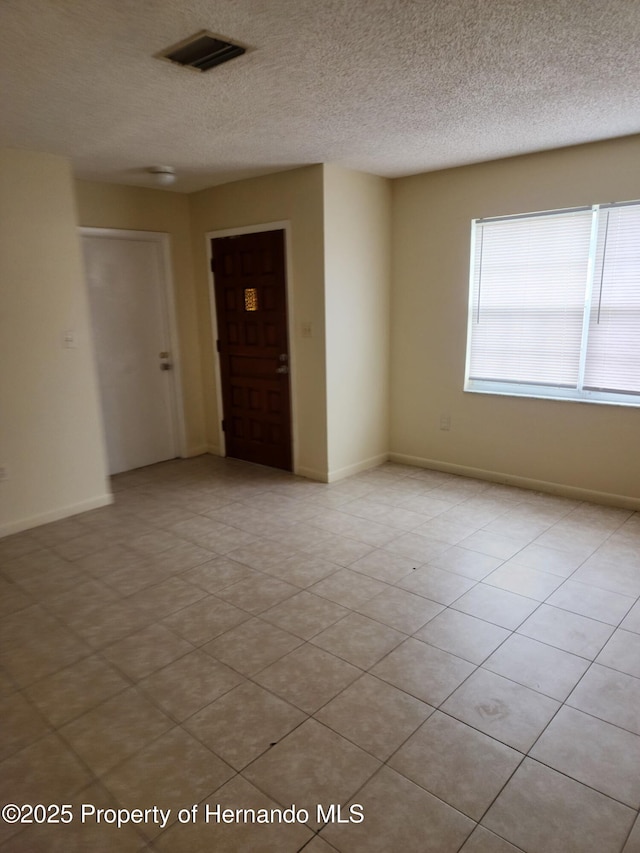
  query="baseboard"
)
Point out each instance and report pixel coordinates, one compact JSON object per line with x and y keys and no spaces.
{"x":213,"y":449}
{"x":311,"y":474}
{"x":55,"y":515}
{"x":561,"y":489}
{"x":350,"y":470}
{"x":198,"y":450}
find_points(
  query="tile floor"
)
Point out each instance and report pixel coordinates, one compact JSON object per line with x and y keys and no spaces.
{"x":459,"y":658}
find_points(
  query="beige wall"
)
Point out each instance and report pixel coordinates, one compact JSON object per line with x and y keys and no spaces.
{"x":294,"y":197}
{"x":582,"y":446}
{"x":51,"y":440}
{"x":357,"y":246}
{"x":139,"y":209}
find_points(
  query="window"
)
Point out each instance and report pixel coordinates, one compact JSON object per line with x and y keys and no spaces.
{"x":554,"y":307}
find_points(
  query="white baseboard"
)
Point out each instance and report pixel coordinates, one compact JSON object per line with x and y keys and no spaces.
{"x":55,"y":515}
{"x":562,"y":489}
{"x":350,"y":470}
{"x":311,"y":474}
{"x":213,"y":449}
{"x":198,"y":450}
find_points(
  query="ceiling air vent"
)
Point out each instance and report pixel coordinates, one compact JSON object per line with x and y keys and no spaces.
{"x":202,"y":51}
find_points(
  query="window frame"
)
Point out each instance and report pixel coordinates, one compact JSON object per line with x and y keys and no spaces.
{"x":533,"y":390}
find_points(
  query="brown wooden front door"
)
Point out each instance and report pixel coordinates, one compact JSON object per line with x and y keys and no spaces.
{"x":251,"y":308}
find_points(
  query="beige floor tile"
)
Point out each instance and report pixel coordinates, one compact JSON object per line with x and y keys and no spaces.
{"x":561,"y":563}
{"x":440,"y":586}
{"x":126,"y":723}
{"x":190,"y":683}
{"x":205,"y":837}
{"x":622,"y":652}
{"x":462,"y":635}
{"x":42,"y":655}
{"x":304,"y":614}
{"x":567,"y":631}
{"x":374,"y":715}
{"x":460,"y":765}
{"x":172,"y":773}
{"x":302,"y":570}
{"x":359,"y":640}
{"x":244,"y":723}
{"x":544,"y":812}
{"x":47,"y":771}
{"x":405,"y":611}
{"x":110,"y":623}
{"x":312,"y":765}
{"x":502,"y":709}
{"x":370,"y":532}
{"x":610,"y":573}
{"x":449,"y":530}
{"x":423,"y":671}
{"x":609,"y":695}
{"x":538,"y":666}
{"x":415,"y":546}
{"x":467,"y":562}
{"x":252,"y":646}
{"x":147,"y":650}
{"x":76,"y":689}
{"x":633,"y":842}
{"x":600,"y":604}
{"x":596,"y":753}
{"x":217,"y":574}
{"x":399,"y":815}
{"x":206,"y":619}
{"x":82,"y":597}
{"x":385,"y":513}
{"x":308,"y":677}
{"x":317,"y":845}
{"x":493,"y":544}
{"x":503,"y":608}
{"x":167,"y":597}
{"x":523,"y":580}
{"x":79,"y":837}
{"x":348,"y":588}
{"x":384,"y":566}
{"x":339,"y":549}
{"x":257,"y":593}
{"x":631,"y":622}
{"x":483,"y":841}
{"x":21,"y":724}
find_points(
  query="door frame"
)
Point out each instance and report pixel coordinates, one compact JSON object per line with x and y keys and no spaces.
{"x":168,"y":304}
{"x":284,"y":225}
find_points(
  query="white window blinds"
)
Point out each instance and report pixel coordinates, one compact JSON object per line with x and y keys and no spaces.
{"x":555,"y":304}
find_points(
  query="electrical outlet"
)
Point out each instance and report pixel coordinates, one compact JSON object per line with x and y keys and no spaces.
{"x":4,"y":474}
{"x":445,"y":422}
{"x":307,"y":330}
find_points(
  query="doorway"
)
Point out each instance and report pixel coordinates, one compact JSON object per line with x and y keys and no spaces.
{"x":250,"y":292}
{"x":131,"y":307}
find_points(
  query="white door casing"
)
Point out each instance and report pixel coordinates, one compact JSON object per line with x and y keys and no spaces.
{"x":131,"y":305}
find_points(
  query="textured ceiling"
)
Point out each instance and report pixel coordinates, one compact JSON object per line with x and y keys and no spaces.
{"x":392,"y":87}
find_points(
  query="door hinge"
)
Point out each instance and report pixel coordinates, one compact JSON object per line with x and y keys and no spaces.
{"x":224,"y":426}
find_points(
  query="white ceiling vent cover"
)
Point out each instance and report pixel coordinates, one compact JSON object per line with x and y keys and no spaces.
{"x":202,"y":51}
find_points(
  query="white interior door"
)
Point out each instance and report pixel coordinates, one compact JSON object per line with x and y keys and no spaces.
{"x":126,"y":284}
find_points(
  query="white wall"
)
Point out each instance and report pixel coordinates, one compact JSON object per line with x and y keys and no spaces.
{"x":51,"y":440}
{"x":583,"y":449}
{"x":357,"y":248}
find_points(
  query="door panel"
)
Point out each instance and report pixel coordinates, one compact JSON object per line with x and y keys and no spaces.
{"x":251,"y":307}
{"x":125,"y":279}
